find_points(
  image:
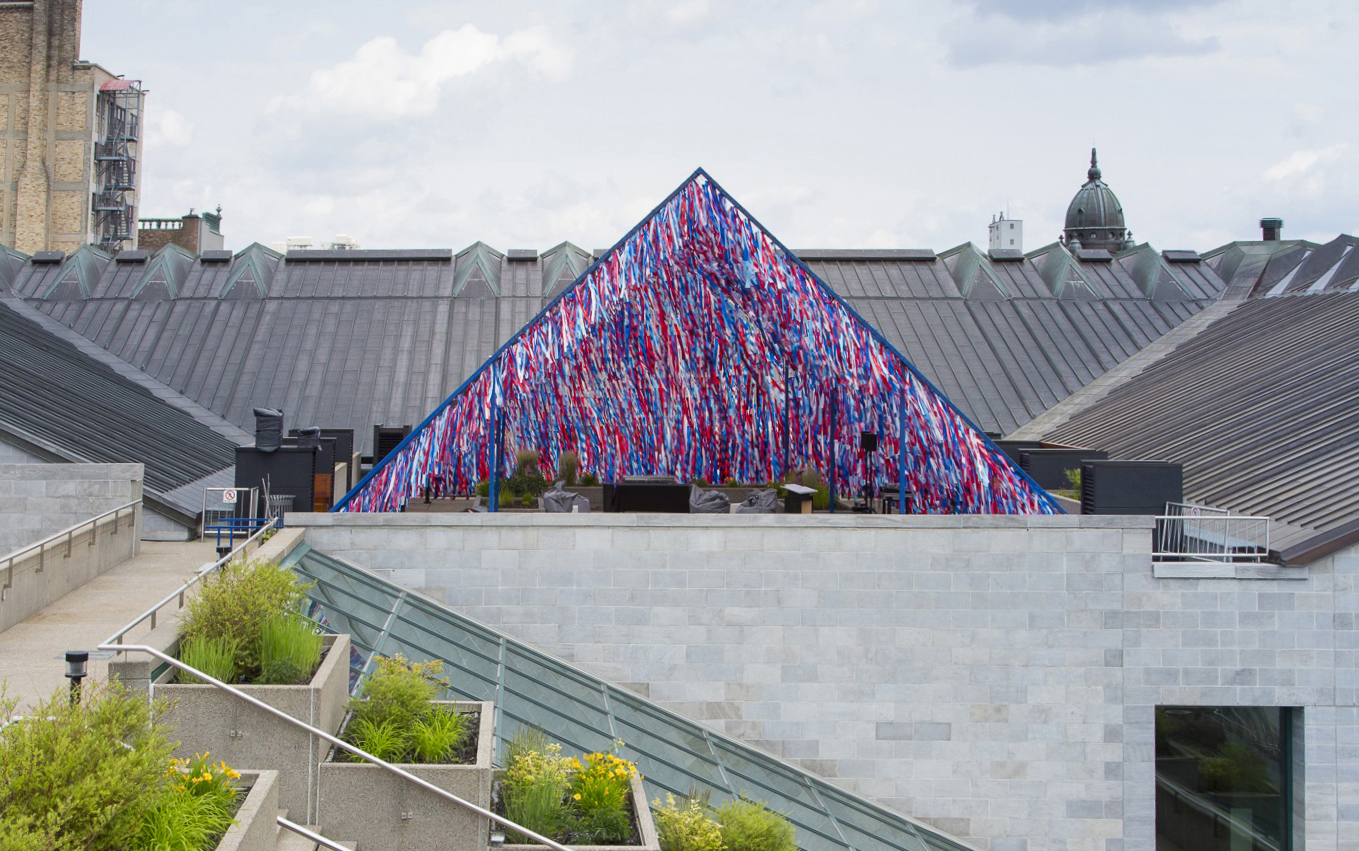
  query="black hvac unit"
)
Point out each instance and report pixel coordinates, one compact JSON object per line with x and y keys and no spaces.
{"x":387,"y":438}
{"x":287,"y":470}
{"x":1130,"y":487}
{"x":1048,"y":467}
{"x":344,"y":449}
{"x":1014,"y":448}
{"x":647,"y":493}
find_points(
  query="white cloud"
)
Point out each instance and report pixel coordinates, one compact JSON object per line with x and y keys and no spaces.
{"x":687,"y":12}
{"x":383,"y":80}
{"x":166,"y":127}
{"x":1114,"y":35}
{"x":1299,"y":163}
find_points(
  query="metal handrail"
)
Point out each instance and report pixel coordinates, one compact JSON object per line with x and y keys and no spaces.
{"x":334,"y":740}
{"x":69,"y":534}
{"x":310,"y":834}
{"x":117,"y":637}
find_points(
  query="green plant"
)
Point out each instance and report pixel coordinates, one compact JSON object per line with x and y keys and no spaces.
{"x":732,"y":483}
{"x":685,"y":826}
{"x":1073,"y":479}
{"x":179,"y":821}
{"x":533,"y":784}
{"x":810,"y":478}
{"x":526,"y":460}
{"x":483,"y":488}
{"x":539,"y":806}
{"x":290,"y":650}
{"x":438,"y":736}
{"x":750,"y":826}
{"x":80,"y":776}
{"x":215,"y":657}
{"x":385,"y":740}
{"x":699,"y":481}
{"x":568,"y":465}
{"x":399,"y":691}
{"x":237,"y":602}
{"x":590,"y":480}
{"x":529,"y":756}
{"x":599,"y":797}
{"x":194,"y":810}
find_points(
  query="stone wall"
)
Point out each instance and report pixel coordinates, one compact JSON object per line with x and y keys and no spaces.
{"x":994,"y":676}
{"x":37,"y":500}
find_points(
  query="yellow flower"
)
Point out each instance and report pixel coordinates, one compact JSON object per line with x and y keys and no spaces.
{"x":576,"y":796}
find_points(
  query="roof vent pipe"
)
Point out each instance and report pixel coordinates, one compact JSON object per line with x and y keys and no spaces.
{"x":268,"y":429}
{"x":1272,"y":229}
{"x":309,"y":438}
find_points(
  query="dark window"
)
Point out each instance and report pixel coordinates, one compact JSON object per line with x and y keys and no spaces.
{"x":1223,"y":778}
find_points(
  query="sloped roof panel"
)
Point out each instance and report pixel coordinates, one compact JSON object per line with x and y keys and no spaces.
{"x":51,"y":389}
{"x":1258,"y":407}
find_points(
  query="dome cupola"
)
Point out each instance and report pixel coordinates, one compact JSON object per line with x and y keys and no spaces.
{"x":1095,"y":218}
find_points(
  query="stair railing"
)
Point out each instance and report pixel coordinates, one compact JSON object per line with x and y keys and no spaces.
{"x":311,"y":835}
{"x":334,"y":740}
{"x":117,"y":637}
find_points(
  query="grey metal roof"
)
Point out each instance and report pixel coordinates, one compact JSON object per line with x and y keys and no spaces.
{"x":1259,"y":407}
{"x":355,"y":338}
{"x":82,"y":409}
{"x":1007,"y":340}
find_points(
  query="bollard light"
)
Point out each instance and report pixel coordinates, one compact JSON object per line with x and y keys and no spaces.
{"x":497,"y":839}
{"x":76,"y":663}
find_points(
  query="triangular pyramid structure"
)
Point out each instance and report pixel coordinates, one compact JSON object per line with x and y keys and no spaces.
{"x":700,"y":347}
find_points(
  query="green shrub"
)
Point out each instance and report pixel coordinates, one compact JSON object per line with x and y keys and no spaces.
{"x":215,"y":657}
{"x":83,"y":776}
{"x":290,"y":649}
{"x":685,"y":826}
{"x":399,"y":691}
{"x":396,"y":718}
{"x":749,"y":826}
{"x":439,"y":736}
{"x":590,"y":480}
{"x":568,"y":466}
{"x":235,"y":604}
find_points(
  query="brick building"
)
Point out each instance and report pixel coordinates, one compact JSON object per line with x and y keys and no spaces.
{"x":72,"y":177}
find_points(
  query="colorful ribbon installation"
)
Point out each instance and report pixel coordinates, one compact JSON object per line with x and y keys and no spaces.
{"x":700,"y":347}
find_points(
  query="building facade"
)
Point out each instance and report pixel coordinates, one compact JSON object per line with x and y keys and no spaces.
{"x":69,"y":151}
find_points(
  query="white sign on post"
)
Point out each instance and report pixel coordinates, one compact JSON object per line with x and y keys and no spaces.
{"x":229,"y":496}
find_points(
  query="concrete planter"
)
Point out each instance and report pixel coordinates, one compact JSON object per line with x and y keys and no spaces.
{"x":383,"y":812}
{"x":646,"y":826}
{"x":255,"y":828}
{"x":205,"y":718}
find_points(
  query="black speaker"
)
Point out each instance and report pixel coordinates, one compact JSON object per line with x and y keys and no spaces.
{"x":868,"y":441}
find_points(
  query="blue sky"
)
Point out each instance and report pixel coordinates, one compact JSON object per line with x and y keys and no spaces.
{"x":845,"y":123}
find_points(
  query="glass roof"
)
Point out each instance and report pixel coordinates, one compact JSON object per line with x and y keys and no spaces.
{"x":584,"y":713}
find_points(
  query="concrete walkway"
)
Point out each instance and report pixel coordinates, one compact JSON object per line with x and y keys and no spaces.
{"x":32,"y":652}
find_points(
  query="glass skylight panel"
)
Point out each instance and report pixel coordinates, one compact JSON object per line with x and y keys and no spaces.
{"x":585,"y":714}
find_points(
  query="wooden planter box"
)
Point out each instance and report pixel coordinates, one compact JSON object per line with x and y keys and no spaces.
{"x":205,"y":718}
{"x":646,"y":826}
{"x":255,"y":828}
{"x":383,"y":812}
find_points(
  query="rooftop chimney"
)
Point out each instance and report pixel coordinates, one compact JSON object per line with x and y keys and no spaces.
{"x":1272,"y":229}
